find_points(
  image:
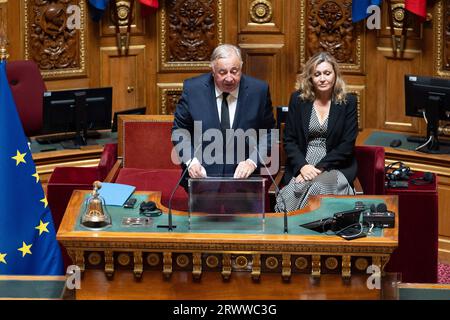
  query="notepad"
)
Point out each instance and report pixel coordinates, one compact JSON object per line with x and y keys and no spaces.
{"x":115,"y":194}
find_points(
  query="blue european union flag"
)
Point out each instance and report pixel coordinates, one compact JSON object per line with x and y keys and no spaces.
{"x":98,"y":8}
{"x":28,"y":243}
{"x":359,"y":8}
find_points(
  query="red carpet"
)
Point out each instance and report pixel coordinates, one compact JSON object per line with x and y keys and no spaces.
{"x":443,"y":273}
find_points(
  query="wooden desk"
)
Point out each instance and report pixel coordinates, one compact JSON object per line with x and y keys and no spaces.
{"x":34,"y":288}
{"x":419,"y":161}
{"x":85,"y":156}
{"x":176,"y":265}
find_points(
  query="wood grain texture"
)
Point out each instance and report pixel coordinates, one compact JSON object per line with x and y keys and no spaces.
{"x":211,"y":286}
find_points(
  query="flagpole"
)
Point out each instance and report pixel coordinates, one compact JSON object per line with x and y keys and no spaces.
{"x":3,"y":43}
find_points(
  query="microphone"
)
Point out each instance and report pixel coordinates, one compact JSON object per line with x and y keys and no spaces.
{"x":170,"y":225}
{"x":277,"y":190}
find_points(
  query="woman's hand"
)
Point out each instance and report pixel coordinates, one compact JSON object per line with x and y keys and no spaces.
{"x":307,"y":173}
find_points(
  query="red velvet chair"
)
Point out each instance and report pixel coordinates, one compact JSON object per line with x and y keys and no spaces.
{"x":66,"y":179}
{"x":370,"y":169}
{"x":144,"y":154}
{"x":27,"y":88}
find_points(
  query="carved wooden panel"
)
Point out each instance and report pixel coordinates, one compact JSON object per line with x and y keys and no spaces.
{"x":442,"y":38}
{"x":3,"y":25}
{"x":261,"y":16}
{"x":137,"y":26}
{"x":189,"y":32}
{"x":169,"y":94}
{"x":327,"y":26}
{"x":125,"y":74}
{"x":52,"y":39}
{"x":360,"y":92}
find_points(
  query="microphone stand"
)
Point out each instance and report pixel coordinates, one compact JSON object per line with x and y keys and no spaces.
{"x":277,"y":191}
{"x":170,"y":225}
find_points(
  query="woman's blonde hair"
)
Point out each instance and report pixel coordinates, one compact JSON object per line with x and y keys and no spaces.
{"x":305,"y":84}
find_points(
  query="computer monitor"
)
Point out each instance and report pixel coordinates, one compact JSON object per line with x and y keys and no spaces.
{"x":428,"y":98}
{"x":76,"y":114}
{"x":139,"y":111}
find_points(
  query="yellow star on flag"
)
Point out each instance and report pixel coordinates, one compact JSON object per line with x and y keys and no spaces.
{"x":42,"y":227}
{"x":25,"y":249}
{"x":19,"y":157}
{"x":45,"y":202}
{"x":36,"y":175}
{"x":2,"y":258}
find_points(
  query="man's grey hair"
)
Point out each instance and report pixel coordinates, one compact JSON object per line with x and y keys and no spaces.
{"x":225,"y":51}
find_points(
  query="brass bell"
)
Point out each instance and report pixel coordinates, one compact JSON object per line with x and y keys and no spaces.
{"x":95,"y":214}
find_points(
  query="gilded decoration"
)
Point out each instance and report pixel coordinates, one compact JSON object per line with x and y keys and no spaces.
{"x":138,"y":264}
{"x":261,"y":11}
{"x":256,"y":267}
{"x":182,"y":261}
{"x":153,"y":259}
{"x":241,"y":262}
{"x":271,"y":263}
{"x":94,"y":258}
{"x":212,"y":262}
{"x":331,"y":263}
{"x":189,"y":32}
{"x":55,"y":36}
{"x":346,"y":266}
{"x":442,"y":38}
{"x":123,"y":259}
{"x":301,"y":263}
{"x":109,"y":263}
{"x":169,"y":94}
{"x":327,"y":26}
{"x":226,"y":266}
{"x":361,"y":264}
{"x":123,"y":13}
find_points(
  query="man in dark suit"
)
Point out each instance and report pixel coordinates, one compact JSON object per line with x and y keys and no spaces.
{"x":224,"y":100}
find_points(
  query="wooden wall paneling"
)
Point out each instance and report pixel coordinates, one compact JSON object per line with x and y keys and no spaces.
{"x":108,"y":27}
{"x":393,"y":80}
{"x":264,"y":63}
{"x":188,"y":32}
{"x":261,"y":16}
{"x":327,"y":26}
{"x":59,"y":51}
{"x":360,"y":92}
{"x":444,"y":218}
{"x":442,"y":38}
{"x":387,"y":69}
{"x":3,"y":15}
{"x":125,"y":74}
{"x":169,"y":94}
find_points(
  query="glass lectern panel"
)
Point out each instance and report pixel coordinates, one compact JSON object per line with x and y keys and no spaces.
{"x":226,"y":204}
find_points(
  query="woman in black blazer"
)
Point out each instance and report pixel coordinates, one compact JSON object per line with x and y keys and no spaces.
{"x":320,"y":135}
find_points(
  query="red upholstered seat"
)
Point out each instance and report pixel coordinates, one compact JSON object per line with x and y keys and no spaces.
{"x":147,"y":157}
{"x":27,"y":87}
{"x":66,"y":179}
{"x":370,"y":169}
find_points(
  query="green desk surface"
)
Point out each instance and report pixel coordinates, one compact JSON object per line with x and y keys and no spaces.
{"x":237,"y":224}
{"x":105,"y":137}
{"x":384,"y":139}
{"x":424,"y":293}
{"x":32,"y":287}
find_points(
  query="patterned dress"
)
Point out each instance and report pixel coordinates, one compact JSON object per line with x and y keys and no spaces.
{"x":295,"y":195}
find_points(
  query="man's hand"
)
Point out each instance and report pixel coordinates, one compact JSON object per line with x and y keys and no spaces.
{"x":244,"y":169}
{"x":197,"y":171}
{"x":307,"y":173}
